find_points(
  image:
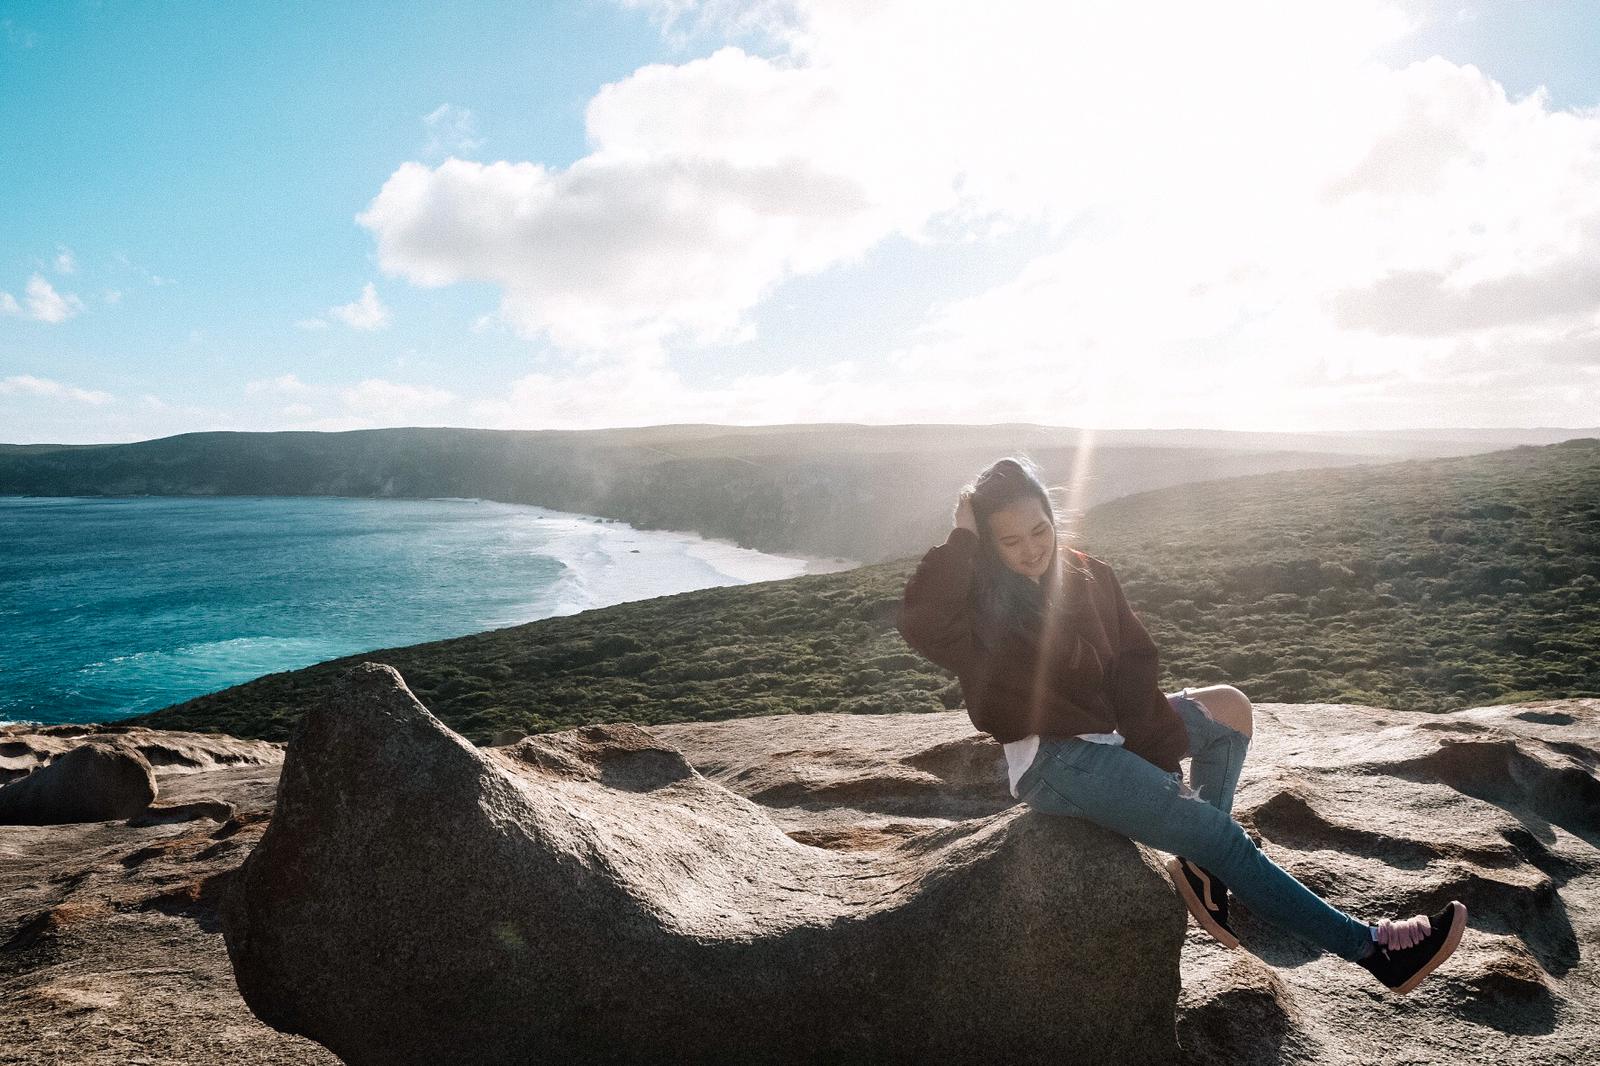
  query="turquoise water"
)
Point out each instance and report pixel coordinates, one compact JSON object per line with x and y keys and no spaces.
{"x":116,"y":606}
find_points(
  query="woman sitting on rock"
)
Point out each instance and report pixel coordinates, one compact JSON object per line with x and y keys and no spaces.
{"x":1054,"y":664}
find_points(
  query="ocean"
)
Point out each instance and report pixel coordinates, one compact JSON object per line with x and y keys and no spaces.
{"x":113,"y":606}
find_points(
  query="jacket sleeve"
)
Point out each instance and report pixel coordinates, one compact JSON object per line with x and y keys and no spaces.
{"x":936,"y":615}
{"x":1154,"y":731}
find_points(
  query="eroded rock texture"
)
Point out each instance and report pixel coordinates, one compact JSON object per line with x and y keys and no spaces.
{"x":60,"y":774}
{"x":110,"y":945}
{"x":1391,"y":814}
{"x":590,"y":897}
{"x":110,"y":949}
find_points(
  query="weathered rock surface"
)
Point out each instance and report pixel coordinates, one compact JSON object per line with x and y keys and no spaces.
{"x":110,"y":949}
{"x":1383,"y":813}
{"x":110,"y":944}
{"x":168,"y":813}
{"x":589,"y":897}
{"x":26,"y":748}
{"x":88,"y":784}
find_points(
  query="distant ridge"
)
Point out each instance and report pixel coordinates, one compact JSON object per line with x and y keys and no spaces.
{"x":855,"y":491}
{"x":1448,"y":440}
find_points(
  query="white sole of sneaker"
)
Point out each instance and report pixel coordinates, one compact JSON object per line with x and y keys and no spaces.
{"x":1446,"y":949}
{"x":1196,"y":908}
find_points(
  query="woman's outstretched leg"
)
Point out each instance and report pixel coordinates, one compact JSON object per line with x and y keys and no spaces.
{"x":1119,"y":790}
{"x":1115,"y":788}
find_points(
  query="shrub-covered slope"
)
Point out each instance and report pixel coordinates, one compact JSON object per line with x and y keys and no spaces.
{"x":1425,"y":585}
{"x":1421,"y":585}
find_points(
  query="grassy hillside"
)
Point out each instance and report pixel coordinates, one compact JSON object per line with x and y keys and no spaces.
{"x":1422,"y":584}
{"x":868,"y":493}
{"x":1427,"y":584}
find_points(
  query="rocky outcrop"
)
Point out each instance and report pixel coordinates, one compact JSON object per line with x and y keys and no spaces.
{"x":50,"y":775}
{"x":589,"y":896}
{"x":26,"y":748}
{"x":88,"y":784}
{"x":111,"y":950}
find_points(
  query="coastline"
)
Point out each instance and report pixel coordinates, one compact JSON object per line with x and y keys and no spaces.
{"x":506,"y":565}
{"x":730,"y":559}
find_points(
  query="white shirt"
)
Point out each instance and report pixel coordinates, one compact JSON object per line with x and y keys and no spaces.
{"x":1020,"y":753}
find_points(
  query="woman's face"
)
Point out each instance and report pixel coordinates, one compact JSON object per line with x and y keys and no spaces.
{"x":1024,"y":537}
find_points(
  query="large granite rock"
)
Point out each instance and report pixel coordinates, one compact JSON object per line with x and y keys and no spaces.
{"x":590,"y":897}
{"x":90,"y":783}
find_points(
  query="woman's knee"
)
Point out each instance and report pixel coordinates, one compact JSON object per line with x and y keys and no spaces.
{"x":1227,"y":705}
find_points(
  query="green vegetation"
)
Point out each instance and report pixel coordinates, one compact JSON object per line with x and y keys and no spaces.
{"x":1423,"y":585}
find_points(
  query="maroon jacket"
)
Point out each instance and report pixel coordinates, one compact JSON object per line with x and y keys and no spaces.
{"x":1107,"y":679}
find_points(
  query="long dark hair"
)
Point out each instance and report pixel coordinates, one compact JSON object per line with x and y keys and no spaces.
{"x":1010,"y":604}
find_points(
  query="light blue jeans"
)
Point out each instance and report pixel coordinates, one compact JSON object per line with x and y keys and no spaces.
{"x":1114,"y":788}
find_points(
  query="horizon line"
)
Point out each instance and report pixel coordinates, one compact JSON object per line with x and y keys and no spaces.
{"x":1576,"y":430}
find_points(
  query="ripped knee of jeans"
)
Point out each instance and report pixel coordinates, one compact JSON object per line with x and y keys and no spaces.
{"x":1184,"y":791}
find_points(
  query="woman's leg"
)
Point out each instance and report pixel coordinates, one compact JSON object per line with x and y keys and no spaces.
{"x":1117,"y":789}
{"x":1217,"y":751}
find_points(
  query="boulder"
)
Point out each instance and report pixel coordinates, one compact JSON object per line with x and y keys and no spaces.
{"x":588,"y":896}
{"x":90,"y":783}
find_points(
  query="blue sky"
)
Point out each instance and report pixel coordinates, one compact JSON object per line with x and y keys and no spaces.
{"x":275,"y":216}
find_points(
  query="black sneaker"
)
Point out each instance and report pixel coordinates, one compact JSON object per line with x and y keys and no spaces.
{"x":1206,"y":897}
{"x":1402,"y":969}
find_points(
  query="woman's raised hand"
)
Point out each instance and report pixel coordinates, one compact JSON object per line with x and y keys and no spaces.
{"x":964,"y":517}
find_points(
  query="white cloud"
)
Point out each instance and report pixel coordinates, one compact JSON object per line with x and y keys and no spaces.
{"x":27,"y":385}
{"x":366,"y":313}
{"x":1250,"y":218}
{"x":673,"y":227}
{"x":712,"y":181}
{"x":65,"y":263}
{"x":41,"y":302}
{"x":112,"y":296}
{"x":451,"y":131}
